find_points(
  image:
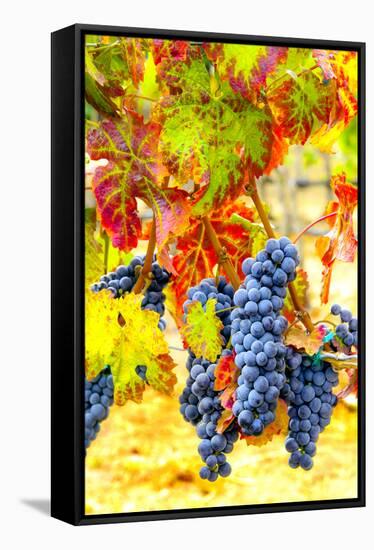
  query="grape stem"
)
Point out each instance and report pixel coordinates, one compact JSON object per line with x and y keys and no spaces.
{"x":224,"y":259}
{"x":312,"y":224}
{"x":146,"y":271}
{"x":300,"y":312}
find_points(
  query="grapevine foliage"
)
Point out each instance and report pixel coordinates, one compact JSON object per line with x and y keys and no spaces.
{"x":187,"y":130}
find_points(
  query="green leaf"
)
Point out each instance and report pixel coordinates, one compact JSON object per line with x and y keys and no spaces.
{"x":211,"y":132}
{"x":202,"y":331}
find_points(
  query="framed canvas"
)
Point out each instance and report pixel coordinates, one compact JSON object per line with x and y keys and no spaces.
{"x":208,"y":274}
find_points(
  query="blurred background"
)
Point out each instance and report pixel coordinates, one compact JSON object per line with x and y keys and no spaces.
{"x":145,"y":457}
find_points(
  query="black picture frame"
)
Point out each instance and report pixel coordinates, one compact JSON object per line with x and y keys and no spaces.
{"x":67,"y":477}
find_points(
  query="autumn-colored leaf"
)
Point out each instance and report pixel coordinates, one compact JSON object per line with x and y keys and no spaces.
{"x":215,"y":133}
{"x":196,"y":258}
{"x":246,"y":69}
{"x":279,"y":151}
{"x":137,"y":340}
{"x":225,"y":372}
{"x":301,"y":285}
{"x":169,"y":57}
{"x":352,"y":385}
{"x":224,"y":421}
{"x":227,"y":397}
{"x":340,"y":243}
{"x":310,"y":343}
{"x":278,"y":427}
{"x":341,"y":68}
{"x":202,"y":330}
{"x":300,"y":104}
{"x":135,"y":169}
{"x":339,"y":65}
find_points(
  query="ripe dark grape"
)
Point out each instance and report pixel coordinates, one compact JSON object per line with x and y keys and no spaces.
{"x":98,"y":398}
{"x":309,"y":394}
{"x":257,"y":327}
{"x":347,"y":330}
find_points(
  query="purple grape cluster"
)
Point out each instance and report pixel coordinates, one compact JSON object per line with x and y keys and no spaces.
{"x":123,"y":279}
{"x":214,"y":446}
{"x":223,"y":294}
{"x":199,"y":402}
{"x":311,"y":400}
{"x":347,"y":330}
{"x":98,"y":398}
{"x":257,"y":327}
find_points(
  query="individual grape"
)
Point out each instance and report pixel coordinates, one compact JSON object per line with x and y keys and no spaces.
{"x":311,"y":403}
{"x":98,"y":398}
{"x":256,"y":334}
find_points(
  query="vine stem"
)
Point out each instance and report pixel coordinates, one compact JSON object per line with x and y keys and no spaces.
{"x":147,"y":266}
{"x":225,"y":261}
{"x":314,"y":223}
{"x":301,"y":314}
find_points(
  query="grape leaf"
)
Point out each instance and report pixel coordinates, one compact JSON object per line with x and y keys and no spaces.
{"x":340,"y":67}
{"x":300,"y":105}
{"x":95,"y":95}
{"x":301,"y":285}
{"x":117,"y":68}
{"x":136,"y":340}
{"x":278,"y":427}
{"x":340,"y":243}
{"x":352,"y":385}
{"x":224,"y":421}
{"x":224,"y":135}
{"x":225,"y":372}
{"x":202,"y":330}
{"x":169,"y":57}
{"x":135,"y":169}
{"x":196,"y":258}
{"x":246,"y":68}
{"x":310,"y":343}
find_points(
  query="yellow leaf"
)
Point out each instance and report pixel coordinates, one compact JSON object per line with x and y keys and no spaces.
{"x":310,"y":343}
{"x":134,"y":341}
{"x":202,"y":330}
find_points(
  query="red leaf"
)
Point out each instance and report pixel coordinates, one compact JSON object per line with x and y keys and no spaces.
{"x":225,"y":372}
{"x":195,"y":257}
{"x":137,"y":171}
{"x":298,"y":103}
{"x":246,"y":68}
{"x":340,"y":243}
{"x":225,"y":420}
{"x":116,"y":207}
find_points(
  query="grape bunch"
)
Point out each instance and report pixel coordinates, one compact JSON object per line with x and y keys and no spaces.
{"x":214,"y":445}
{"x":223,"y":293}
{"x":123,"y":279}
{"x":98,"y":398}
{"x":311,"y":403}
{"x":200,"y":403}
{"x":257,"y":327}
{"x":347,"y":330}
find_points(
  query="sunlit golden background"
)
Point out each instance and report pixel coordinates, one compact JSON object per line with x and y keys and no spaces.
{"x":145,"y":457}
